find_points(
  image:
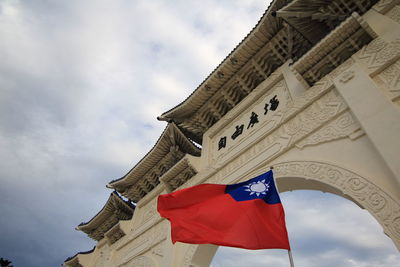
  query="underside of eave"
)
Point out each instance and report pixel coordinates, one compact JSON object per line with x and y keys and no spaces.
{"x":74,"y":259}
{"x":154,"y":155}
{"x":203,"y":92}
{"x":315,"y":19}
{"x":179,"y":174}
{"x":312,"y":20}
{"x":103,"y":214}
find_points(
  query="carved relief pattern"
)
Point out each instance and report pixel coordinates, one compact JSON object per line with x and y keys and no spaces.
{"x":378,"y":53}
{"x":182,"y":177}
{"x":290,"y":110}
{"x":272,"y":118}
{"x":384,"y":5}
{"x":148,"y":223}
{"x":150,"y":210}
{"x":150,"y":180}
{"x":158,"y":250}
{"x":346,"y":76}
{"x":311,"y":95}
{"x":341,"y":69}
{"x":394,"y":14}
{"x":317,"y":114}
{"x":115,"y":235}
{"x":391,"y":79}
{"x":145,"y":241}
{"x":314,"y":116}
{"x":340,"y":127}
{"x":382,"y":206}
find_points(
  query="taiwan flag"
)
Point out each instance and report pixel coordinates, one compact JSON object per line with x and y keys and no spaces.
{"x":246,"y":215}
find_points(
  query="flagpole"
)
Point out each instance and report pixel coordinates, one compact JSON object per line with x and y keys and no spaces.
{"x":290,"y":258}
{"x":289,"y":251}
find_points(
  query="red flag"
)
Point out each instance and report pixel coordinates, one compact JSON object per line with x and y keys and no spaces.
{"x":247,"y":215}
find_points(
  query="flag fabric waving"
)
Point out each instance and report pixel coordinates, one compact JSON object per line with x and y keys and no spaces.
{"x":247,"y":215}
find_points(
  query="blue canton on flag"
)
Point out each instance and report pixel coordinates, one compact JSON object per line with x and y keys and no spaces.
{"x":262,"y":187}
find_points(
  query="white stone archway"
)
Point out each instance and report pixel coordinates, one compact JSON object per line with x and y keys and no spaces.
{"x":326,"y":119}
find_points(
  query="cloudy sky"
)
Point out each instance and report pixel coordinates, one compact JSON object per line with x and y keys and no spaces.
{"x":81,"y":85}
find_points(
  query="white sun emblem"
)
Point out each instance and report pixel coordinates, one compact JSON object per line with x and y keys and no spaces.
{"x":258,"y":188}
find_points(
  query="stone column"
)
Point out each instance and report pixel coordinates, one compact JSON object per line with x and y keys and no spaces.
{"x":377,"y":115}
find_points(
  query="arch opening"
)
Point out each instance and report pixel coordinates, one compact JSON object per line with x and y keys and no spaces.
{"x":328,"y":230}
{"x":317,"y":177}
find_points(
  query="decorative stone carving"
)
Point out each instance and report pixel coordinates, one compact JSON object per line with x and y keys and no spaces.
{"x":341,"y":69}
{"x":378,"y":54}
{"x":319,"y":115}
{"x":311,"y":95}
{"x":394,"y":14}
{"x":284,"y":137}
{"x":281,"y":116}
{"x":390,"y":77}
{"x":150,"y":210}
{"x":346,"y":76}
{"x":384,"y":5}
{"x":385,"y":208}
{"x":114,"y":234}
{"x":179,"y":174}
{"x":158,"y":250}
{"x":148,"y":217}
{"x":151,"y":179}
{"x":271,"y":117}
{"x":144,"y":241}
{"x":342,"y":126}
{"x":313,"y":116}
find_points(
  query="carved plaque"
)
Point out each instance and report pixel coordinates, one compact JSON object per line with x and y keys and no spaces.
{"x":263,"y":112}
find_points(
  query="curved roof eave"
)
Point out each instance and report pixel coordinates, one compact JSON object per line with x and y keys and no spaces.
{"x":79,"y":253}
{"x":153,"y":155}
{"x":114,"y":195}
{"x":202,"y":93}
